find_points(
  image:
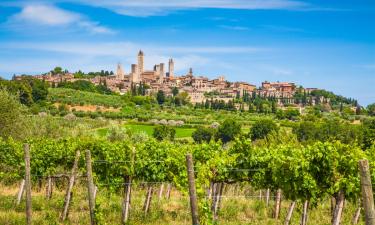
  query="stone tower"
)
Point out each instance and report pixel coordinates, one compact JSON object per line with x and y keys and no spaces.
{"x":171,"y":69}
{"x":140,"y":62}
{"x":120,"y":72}
{"x":190,"y":72}
{"x":162,"y":73}
{"x":135,"y":76}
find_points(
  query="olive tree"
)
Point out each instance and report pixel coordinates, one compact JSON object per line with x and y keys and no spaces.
{"x":12,"y":120}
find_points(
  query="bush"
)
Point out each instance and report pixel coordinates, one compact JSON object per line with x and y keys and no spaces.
{"x":203,"y":134}
{"x":290,"y":114}
{"x":228,"y":130}
{"x":262,"y":128}
{"x":164,"y":132}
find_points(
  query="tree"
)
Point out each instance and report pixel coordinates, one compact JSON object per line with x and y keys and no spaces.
{"x":228,"y":130}
{"x":306,"y":131}
{"x":182,"y":98}
{"x":371,"y":109}
{"x":160,"y":97}
{"x":203,"y":134}
{"x":39,"y":88}
{"x":164,"y":133}
{"x":57,"y":70}
{"x":368,"y":133}
{"x":273,"y":107}
{"x":290,"y":114}
{"x":12,"y":122}
{"x":262,"y":128}
{"x":175,"y":91}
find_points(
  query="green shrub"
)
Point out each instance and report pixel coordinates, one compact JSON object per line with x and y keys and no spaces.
{"x":203,"y":134}
{"x":262,"y":128}
{"x":228,"y":130}
{"x":164,"y":133}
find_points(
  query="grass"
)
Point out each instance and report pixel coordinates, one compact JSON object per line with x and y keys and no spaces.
{"x":175,"y":211}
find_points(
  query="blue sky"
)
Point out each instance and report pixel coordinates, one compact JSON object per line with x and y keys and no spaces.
{"x":324,"y":44}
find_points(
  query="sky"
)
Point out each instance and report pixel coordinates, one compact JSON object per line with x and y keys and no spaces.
{"x":313,"y":43}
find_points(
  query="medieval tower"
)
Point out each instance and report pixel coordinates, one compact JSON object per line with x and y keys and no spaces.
{"x":140,"y":62}
{"x":120,"y":72}
{"x":171,"y":69}
{"x":162,"y":73}
{"x":135,"y":76}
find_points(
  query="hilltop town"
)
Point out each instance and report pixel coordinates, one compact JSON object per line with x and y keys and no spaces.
{"x":198,"y":88}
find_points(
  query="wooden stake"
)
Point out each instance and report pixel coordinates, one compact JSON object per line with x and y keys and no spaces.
{"x":304,"y":213}
{"x":192,"y":191}
{"x":356,"y":216}
{"x":367,"y":196}
{"x":218,"y":200}
{"x":338,"y":209}
{"x":161,"y":191}
{"x":333,"y":206}
{"x":267,"y":197}
{"x":169,"y":188}
{"x":95,"y":192}
{"x":214,"y":197}
{"x":70,"y":187}
{"x":277,"y":203}
{"x":48,"y":187}
{"x":90,"y":187}
{"x":20,"y":192}
{"x":26,"y":148}
{"x":126,"y":200}
{"x":290,"y":213}
{"x":147,"y":203}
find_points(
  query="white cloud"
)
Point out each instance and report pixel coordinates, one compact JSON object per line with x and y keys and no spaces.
{"x":161,"y":7}
{"x":48,"y":15}
{"x":144,"y":8}
{"x":127,"y":48}
{"x":104,"y":55}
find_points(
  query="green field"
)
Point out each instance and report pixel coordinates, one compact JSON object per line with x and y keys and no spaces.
{"x":149,"y":129}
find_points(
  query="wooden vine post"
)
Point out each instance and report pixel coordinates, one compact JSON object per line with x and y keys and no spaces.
{"x":168,"y":194}
{"x":126,"y":200}
{"x":68,"y":193}
{"x":367,"y":196}
{"x":304,"y":216}
{"x":290,"y":213}
{"x":339,"y":208}
{"x":26,"y":148}
{"x":277,"y":204}
{"x":49,"y":188}
{"x":127,"y":192}
{"x":90,"y":187}
{"x":20,"y":192}
{"x":192,"y":191}
{"x":147,"y":203}
{"x":267,"y":197}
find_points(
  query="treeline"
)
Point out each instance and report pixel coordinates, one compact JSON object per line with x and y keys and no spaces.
{"x":102,"y":73}
{"x":84,"y":85}
{"x":307,"y":131}
{"x":28,"y":89}
{"x":79,"y":74}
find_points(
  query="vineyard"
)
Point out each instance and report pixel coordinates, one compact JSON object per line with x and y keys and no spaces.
{"x":240,"y":183}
